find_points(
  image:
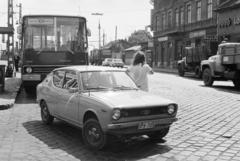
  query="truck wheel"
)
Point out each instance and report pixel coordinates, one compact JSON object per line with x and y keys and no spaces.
{"x":207,"y":77}
{"x":181,"y":70}
{"x":198,"y":72}
{"x":236,"y":83}
{"x":93,"y":136}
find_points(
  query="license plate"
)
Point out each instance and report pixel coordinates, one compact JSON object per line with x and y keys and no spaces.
{"x":146,"y":125}
{"x":225,"y":59}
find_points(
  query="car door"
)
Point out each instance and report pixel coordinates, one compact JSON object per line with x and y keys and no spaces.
{"x":70,"y":97}
{"x":56,"y":90}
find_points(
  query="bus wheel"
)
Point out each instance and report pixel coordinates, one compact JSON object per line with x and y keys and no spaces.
{"x":236,"y":83}
{"x":29,"y":89}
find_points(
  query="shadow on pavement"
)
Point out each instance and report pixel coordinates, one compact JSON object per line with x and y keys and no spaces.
{"x":25,"y":98}
{"x":229,"y":89}
{"x":68,"y":138}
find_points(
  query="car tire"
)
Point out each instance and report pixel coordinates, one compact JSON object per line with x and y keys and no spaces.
{"x":93,"y":136}
{"x":181,"y":70}
{"x":207,"y":77}
{"x":159,"y":134}
{"x":236,"y":83}
{"x":47,"y":118}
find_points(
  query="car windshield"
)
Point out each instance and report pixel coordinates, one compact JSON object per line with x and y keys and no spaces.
{"x":107,"y":80}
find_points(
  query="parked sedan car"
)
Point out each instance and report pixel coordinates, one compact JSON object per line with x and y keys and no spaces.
{"x":107,"y":61}
{"x":116,"y":63}
{"x":102,"y":101}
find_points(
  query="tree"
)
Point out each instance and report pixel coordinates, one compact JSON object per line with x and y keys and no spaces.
{"x":139,"y":36}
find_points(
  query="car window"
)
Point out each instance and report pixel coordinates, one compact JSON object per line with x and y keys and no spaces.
{"x":58,"y":78}
{"x":70,"y":80}
{"x":106,"y":80}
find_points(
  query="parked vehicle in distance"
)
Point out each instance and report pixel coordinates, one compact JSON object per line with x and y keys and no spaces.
{"x":103,"y":101}
{"x":107,"y":61}
{"x":225,"y":65}
{"x":116,"y":63}
{"x":192,"y":57}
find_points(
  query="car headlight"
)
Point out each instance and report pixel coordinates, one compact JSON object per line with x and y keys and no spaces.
{"x":29,"y":70}
{"x":171,"y":109}
{"x":116,"y":114}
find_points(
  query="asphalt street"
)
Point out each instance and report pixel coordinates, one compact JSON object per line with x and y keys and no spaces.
{"x":208,"y":128}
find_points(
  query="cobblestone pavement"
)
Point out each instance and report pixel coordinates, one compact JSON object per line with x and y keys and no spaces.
{"x":208,"y":129}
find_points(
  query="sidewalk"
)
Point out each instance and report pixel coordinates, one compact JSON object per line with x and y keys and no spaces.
{"x":12,"y":86}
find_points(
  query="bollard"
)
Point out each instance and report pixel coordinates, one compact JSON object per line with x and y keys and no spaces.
{"x":2,"y":78}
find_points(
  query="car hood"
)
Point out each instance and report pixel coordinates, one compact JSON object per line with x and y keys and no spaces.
{"x":130,"y":99}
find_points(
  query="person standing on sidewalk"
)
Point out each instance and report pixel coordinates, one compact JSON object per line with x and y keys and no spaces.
{"x":139,"y":71}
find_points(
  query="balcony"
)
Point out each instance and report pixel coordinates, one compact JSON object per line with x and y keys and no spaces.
{"x":187,"y":27}
{"x":201,"y":25}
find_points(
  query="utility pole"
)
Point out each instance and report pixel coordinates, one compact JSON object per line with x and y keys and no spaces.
{"x":116,"y":33}
{"x":103,"y":38}
{"x":20,"y":22}
{"x":10,"y":40}
{"x":99,"y":29}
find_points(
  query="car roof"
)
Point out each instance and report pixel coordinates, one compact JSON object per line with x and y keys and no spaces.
{"x":88,"y":68}
{"x":229,"y":44}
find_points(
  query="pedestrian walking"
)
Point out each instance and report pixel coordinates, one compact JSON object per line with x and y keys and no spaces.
{"x":16,"y":61}
{"x":139,"y":71}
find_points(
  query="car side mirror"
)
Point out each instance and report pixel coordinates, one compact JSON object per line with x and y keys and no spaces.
{"x":73,"y":90}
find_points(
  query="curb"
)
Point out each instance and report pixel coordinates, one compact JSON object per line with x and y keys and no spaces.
{"x":163,"y":70}
{"x":14,"y":96}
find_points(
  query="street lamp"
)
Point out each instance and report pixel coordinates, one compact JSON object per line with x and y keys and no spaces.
{"x":99,"y":27}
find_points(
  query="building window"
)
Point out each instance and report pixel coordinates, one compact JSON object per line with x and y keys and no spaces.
{"x":182,"y":15}
{"x":158,"y":26}
{"x":189,"y":13}
{"x":163,"y":21}
{"x":177,"y":17}
{"x":199,"y":12}
{"x":169,"y":18}
{"x":210,"y":9}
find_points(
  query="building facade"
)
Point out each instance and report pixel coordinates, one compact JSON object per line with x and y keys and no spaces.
{"x":177,"y":24}
{"x":229,"y":21}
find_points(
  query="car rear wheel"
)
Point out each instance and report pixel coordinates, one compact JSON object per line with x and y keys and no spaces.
{"x":93,"y":136}
{"x":159,"y":134}
{"x":207,"y":77}
{"x":47,"y":118}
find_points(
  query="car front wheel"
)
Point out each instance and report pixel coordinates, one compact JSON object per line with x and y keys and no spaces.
{"x":159,"y":134}
{"x":207,"y":77}
{"x":93,"y":136}
{"x":47,"y":118}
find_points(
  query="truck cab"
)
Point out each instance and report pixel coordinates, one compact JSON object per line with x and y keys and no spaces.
{"x":225,"y":65}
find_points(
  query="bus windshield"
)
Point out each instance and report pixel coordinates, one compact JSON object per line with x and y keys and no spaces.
{"x":56,"y":34}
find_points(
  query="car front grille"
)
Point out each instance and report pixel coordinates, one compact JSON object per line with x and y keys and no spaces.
{"x":148,"y":111}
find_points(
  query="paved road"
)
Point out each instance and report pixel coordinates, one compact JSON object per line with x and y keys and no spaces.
{"x":208,"y":129}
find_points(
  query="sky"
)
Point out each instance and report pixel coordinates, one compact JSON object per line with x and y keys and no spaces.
{"x":127,"y":15}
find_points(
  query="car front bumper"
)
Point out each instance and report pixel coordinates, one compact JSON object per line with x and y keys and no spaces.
{"x":133,"y":127}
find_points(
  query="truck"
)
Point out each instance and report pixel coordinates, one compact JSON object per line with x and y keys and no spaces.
{"x":225,"y":65}
{"x":191,"y":60}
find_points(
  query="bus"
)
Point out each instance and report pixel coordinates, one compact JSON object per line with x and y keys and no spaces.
{"x":49,"y":42}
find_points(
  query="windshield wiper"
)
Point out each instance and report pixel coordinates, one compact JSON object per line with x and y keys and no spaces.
{"x":124,"y":88}
{"x":96,"y":88}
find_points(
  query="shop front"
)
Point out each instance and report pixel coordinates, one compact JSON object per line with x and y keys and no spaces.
{"x":229,"y":24}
